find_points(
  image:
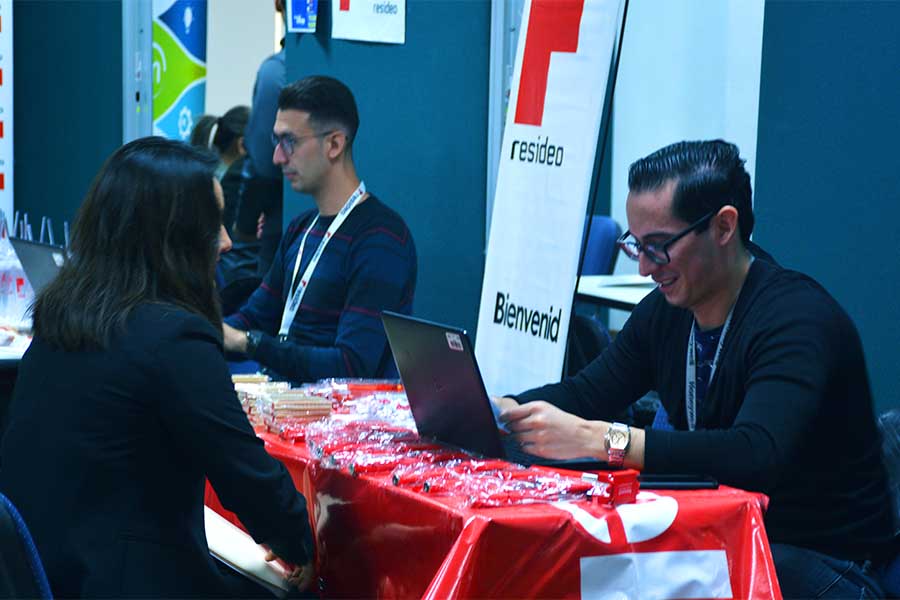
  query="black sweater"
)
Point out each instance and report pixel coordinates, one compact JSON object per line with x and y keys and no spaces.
{"x":789,"y":412}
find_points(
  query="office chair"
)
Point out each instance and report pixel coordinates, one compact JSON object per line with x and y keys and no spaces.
{"x":601,"y":251}
{"x":21,"y":572}
{"x":587,"y":339}
{"x":588,"y":336}
{"x":889,"y":425}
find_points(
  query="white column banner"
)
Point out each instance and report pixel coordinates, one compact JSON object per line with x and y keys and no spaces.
{"x":6,"y":108}
{"x":369,"y":20}
{"x":546,"y":163}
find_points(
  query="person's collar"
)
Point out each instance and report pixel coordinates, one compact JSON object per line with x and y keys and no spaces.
{"x":332,"y":200}
{"x":736,"y":278}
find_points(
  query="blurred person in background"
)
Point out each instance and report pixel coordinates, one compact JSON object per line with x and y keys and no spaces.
{"x":202,"y":128}
{"x":237,"y":271}
{"x":262,"y":189}
{"x":225,"y":136}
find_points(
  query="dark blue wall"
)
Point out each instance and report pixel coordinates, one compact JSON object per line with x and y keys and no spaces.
{"x":67,"y":101}
{"x":828,"y":172}
{"x":422,"y":141}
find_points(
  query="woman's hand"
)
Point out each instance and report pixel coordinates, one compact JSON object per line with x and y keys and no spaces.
{"x":300,"y":577}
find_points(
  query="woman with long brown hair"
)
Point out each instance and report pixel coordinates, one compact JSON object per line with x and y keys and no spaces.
{"x":123,"y":405}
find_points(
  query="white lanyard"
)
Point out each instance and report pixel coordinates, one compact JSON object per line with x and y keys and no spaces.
{"x":690,"y":377}
{"x":690,"y":384}
{"x":293,"y":303}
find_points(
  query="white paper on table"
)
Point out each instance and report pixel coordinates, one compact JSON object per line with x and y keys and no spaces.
{"x":236,"y":548}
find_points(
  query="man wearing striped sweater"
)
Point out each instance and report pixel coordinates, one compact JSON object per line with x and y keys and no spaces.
{"x":317,"y":312}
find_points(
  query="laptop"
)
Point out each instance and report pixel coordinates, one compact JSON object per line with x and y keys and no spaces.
{"x":447,"y":396}
{"x":41,"y":262}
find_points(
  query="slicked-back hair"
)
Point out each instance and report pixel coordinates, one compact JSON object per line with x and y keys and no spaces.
{"x":147,"y":231}
{"x":329,"y":102}
{"x":708,"y":175}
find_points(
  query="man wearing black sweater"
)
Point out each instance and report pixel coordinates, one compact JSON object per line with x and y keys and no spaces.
{"x":760,"y":370}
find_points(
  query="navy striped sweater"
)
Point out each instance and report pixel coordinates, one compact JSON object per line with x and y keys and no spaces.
{"x":368,"y":266}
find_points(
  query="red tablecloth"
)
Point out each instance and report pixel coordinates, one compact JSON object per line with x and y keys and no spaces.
{"x":377,"y":540}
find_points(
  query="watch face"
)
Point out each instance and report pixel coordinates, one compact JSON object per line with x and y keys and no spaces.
{"x":617,"y":438}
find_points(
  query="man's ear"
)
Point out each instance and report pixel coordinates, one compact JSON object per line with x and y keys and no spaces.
{"x":335,"y":144}
{"x":725,"y":224}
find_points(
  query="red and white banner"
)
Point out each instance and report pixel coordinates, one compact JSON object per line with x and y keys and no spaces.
{"x":369,"y":20}
{"x":546,"y":164}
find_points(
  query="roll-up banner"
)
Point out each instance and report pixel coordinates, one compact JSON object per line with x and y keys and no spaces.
{"x":543,"y":183}
{"x":179,"y":66}
{"x":6,"y":108}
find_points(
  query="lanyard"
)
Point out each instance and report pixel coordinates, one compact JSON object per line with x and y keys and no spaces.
{"x":690,"y":384}
{"x":293,"y":303}
{"x":690,"y":378}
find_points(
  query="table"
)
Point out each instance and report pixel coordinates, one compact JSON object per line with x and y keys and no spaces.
{"x":10,"y":356}
{"x":616,"y":291}
{"x":378,"y":540}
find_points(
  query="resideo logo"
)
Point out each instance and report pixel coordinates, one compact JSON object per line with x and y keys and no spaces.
{"x":539,"y":324}
{"x":552,"y":27}
{"x":379,"y":8}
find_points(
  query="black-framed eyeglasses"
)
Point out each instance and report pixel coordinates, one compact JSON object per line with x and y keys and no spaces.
{"x":658,"y":253}
{"x":289,"y":141}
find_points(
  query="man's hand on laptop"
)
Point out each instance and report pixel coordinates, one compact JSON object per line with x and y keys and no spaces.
{"x":547,"y":431}
{"x":503,"y":402}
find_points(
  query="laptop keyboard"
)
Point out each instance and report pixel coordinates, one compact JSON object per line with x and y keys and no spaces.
{"x":515,"y":453}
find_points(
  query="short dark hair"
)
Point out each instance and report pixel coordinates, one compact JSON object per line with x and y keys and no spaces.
{"x":147,"y":231}
{"x":230,"y":127}
{"x":708,"y":175}
{"x":329,"y":102}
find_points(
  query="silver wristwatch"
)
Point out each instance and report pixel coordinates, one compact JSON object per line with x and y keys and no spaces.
{"x":616,"y":440}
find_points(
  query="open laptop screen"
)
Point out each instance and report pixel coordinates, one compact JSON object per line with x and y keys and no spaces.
{"x":443,"y":385}
{"x":41,"y":262}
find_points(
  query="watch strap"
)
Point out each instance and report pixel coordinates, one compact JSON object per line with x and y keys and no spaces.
{"x":254,"y":337}
{"x":616,"y":451}
{"x":616,"y":457}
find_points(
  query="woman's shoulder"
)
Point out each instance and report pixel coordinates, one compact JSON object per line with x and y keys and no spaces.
{"x":163,"y":321}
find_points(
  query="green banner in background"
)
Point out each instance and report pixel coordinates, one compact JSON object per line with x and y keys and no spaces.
{"x":179,"y":66}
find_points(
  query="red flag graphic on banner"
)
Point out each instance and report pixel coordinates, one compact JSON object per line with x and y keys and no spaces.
{"x":552,"y":27}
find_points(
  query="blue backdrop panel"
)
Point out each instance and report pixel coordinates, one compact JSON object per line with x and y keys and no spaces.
{"x":67,"y":101}
{"x":827,"y":183}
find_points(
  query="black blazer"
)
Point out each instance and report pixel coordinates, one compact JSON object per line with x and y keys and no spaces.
{"x":107,"y":452}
